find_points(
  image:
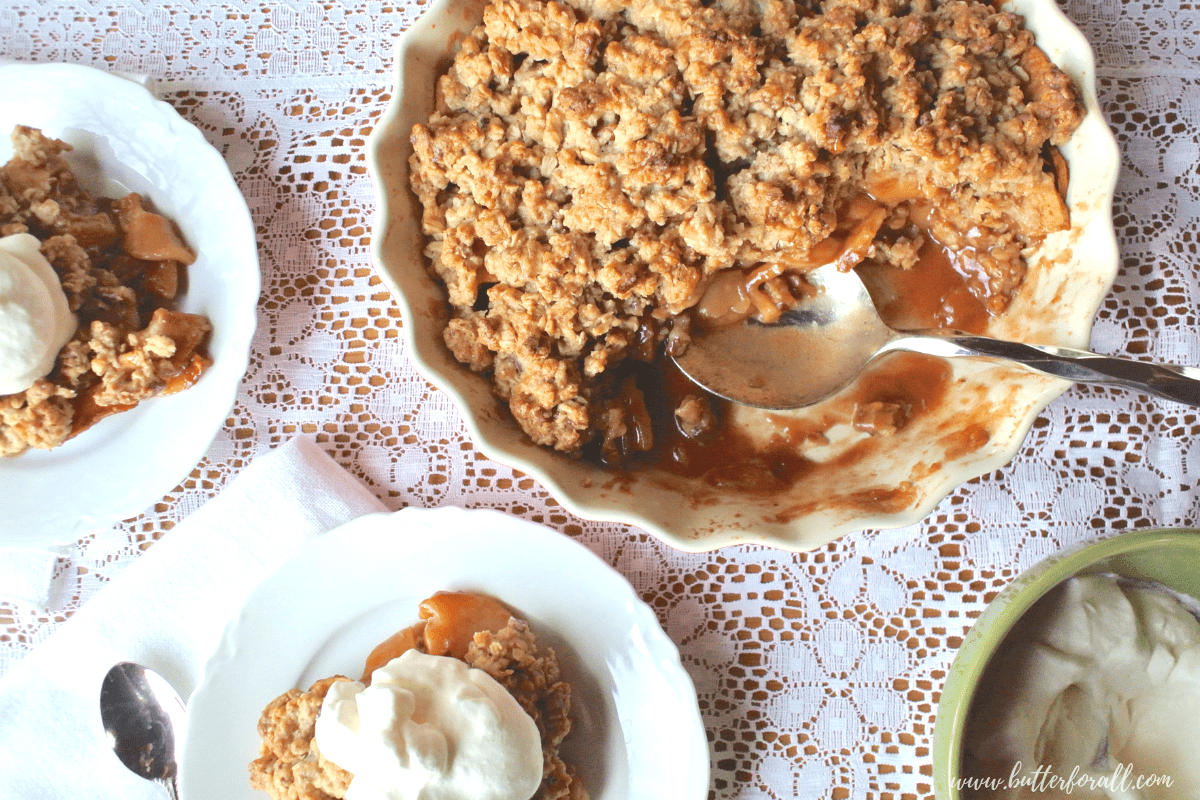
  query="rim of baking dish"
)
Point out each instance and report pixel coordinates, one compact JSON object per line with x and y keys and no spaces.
{"x":426,"y":50}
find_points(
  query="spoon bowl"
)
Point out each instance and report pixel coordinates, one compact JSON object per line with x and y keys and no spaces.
{"x":143,"y":717}
{"x":819,"y":347}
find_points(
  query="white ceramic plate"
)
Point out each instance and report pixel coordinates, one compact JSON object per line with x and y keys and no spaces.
{"x":125,"y":140}
{"x":1068,"y":279}
{"x":637,"y":730}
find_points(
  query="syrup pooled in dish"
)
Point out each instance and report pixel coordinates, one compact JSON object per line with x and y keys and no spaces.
{"x":598,"y":177}
{"x":464,"y":704}
{"x":118,"y":269}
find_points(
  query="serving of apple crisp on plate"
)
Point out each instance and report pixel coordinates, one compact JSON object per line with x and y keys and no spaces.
{"x":594,"y":180}
{"x":316,"y":743}
{"x":121,"y":268}
{"x":413,"y":641}
{"x":129,"y":286}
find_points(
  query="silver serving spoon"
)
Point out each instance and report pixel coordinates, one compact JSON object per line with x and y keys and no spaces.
{"x":821,"y":345}
{"x":143,"y":717}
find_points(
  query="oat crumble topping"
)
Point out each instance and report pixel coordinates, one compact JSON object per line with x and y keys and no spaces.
{"x":131,"y":344}
{"x":290,"y":766}
{"x":590,"y":167}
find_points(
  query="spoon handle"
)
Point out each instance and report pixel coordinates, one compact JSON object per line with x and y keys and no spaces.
{"x":169,"y":785}
{"x":1180,"y":384}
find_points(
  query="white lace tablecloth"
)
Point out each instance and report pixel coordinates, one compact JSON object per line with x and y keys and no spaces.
{"x":818,"y":674}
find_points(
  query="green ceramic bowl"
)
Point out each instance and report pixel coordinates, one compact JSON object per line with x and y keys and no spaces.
{"x":1171,"y":557}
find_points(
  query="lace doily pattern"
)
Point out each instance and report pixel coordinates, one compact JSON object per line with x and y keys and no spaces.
{"x":219,"y":41}
{"x":818,"y":674}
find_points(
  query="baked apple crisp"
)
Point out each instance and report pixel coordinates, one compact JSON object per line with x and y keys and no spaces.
{"x":599,"y":176}
{"x":473,"y":628}
{"x":121,"y":267}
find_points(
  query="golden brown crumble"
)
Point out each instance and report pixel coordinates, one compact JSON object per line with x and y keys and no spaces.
{"x":121,"y":267}
{"x":532,"y":676}
{"x":290,"y":766}
{"x":589,"y":168}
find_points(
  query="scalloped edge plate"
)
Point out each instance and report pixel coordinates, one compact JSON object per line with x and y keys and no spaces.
{"x":1067,"y":281}
{"x":126,"y":140}
{"x":637,"y":727}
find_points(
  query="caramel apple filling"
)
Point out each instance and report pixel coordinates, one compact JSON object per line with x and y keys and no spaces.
{"x":597,"y":178}
{"x":449,"y":622}
{"x":122,"y":268}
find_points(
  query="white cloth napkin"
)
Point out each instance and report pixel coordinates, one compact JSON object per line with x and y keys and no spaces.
{"x":26,"y":573}
{"x":166,"y":611}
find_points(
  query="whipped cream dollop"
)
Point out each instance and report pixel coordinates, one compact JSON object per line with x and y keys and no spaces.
{"x":35,"y":321}
{"x":1099,"y":685}
{"x":430,"y":728}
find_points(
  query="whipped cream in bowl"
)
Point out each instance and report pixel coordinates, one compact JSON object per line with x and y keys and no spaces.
{"x":1081,"y":679}
{"x":35,"y":321}
{"x":1095,"y":682}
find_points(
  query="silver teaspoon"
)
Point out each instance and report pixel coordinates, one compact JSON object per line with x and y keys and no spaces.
{"x":822,"y":344}
{"x":142,"y":718}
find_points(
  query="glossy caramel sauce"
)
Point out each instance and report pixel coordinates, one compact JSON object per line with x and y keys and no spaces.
{"x":188,"y":376}
{"x":449,"y":622}
{"x":933,"y":294}
{"x":394,"y":646}
{"x":87,"y":413}
{"x":909,"y":384}
{"x":891,"y":394}
{"x":885,"y":398}
{"x":936,"y":292}
{"x":453,"y":618}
